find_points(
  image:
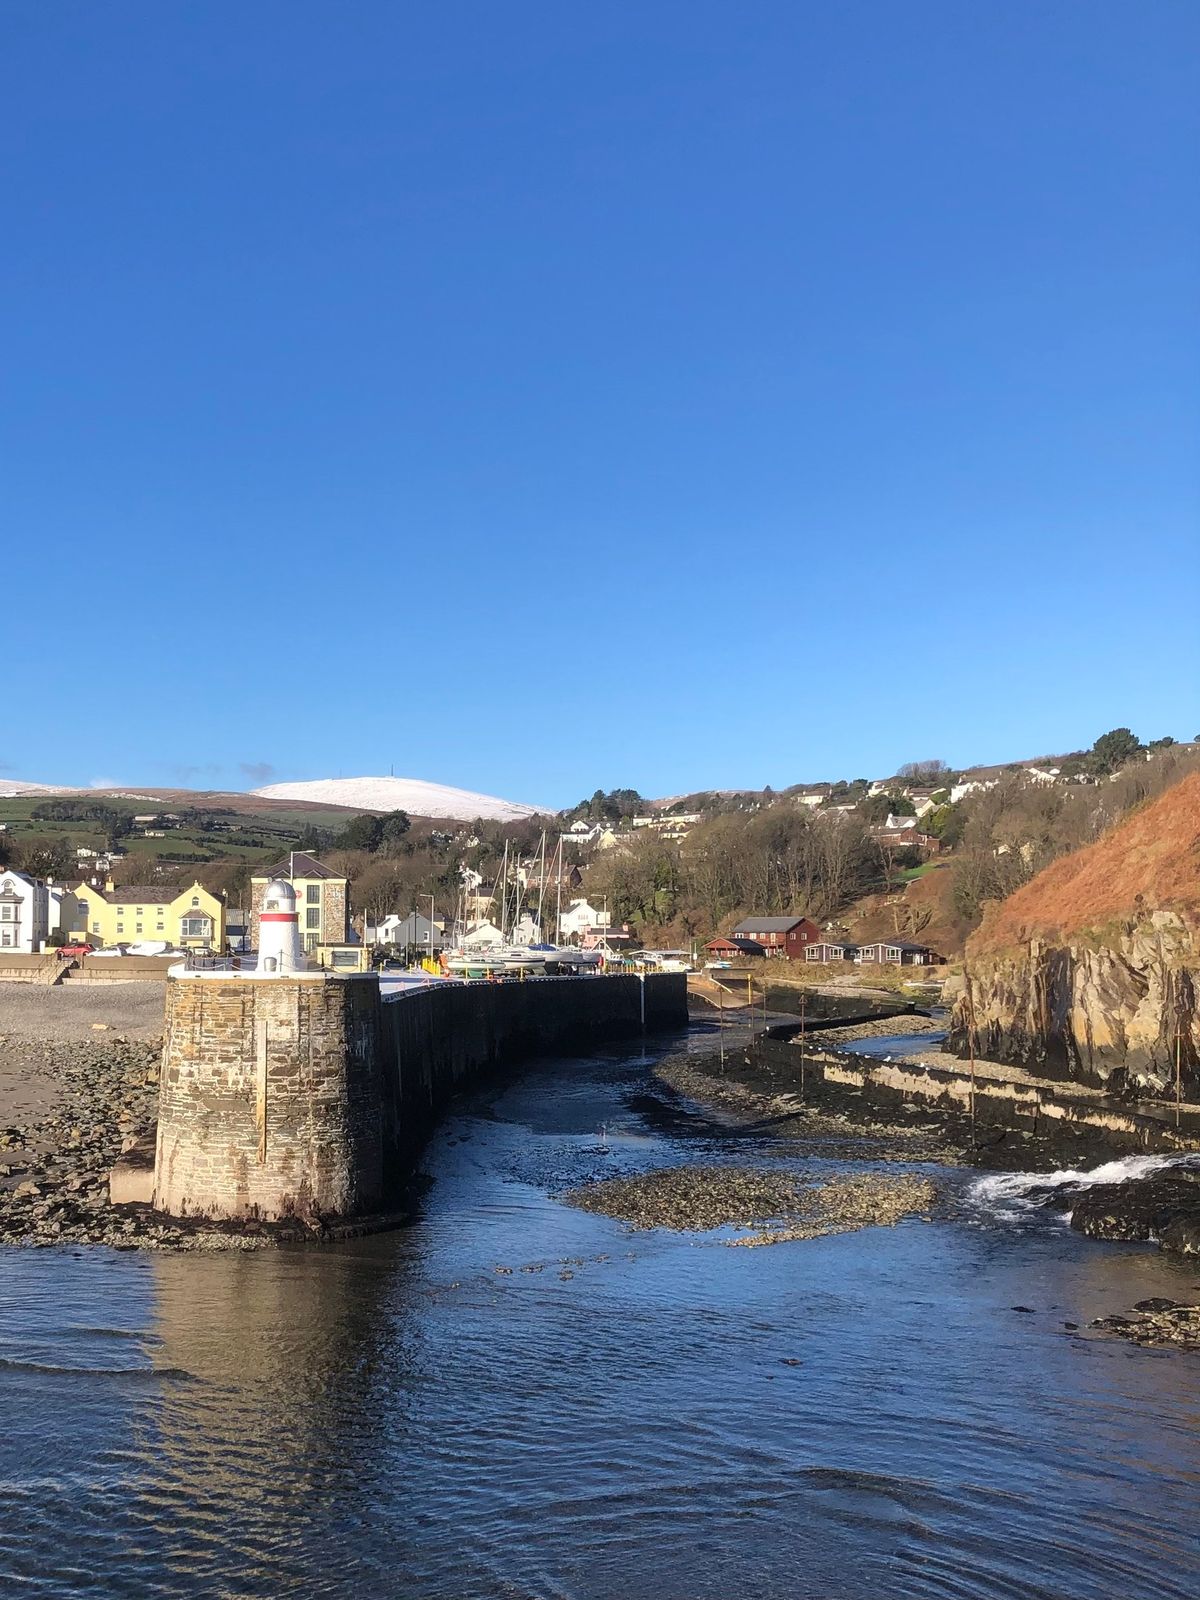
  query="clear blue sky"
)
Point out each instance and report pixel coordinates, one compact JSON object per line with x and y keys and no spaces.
{"x":544,"y":397}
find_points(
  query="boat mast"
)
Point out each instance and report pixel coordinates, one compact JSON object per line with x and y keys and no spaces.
{"x":541,"y":884}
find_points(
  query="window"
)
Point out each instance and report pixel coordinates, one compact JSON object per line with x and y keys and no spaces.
{"x":139,"y":911}
{"x":312,"y":919}
{"x":6,"y":913}
{"x":120,"y":927}
{"x":196,"y":927}
{"x":313,"y":894}
{"x":195,"y":900}
{"x":138,"y":929}
{"x":95,"y":927}
{"x":158,"y":927}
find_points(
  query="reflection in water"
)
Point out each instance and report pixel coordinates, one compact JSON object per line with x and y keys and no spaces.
{"x":513,"y":1399}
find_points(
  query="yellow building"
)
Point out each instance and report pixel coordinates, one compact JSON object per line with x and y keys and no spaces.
{"x":191,"y":919}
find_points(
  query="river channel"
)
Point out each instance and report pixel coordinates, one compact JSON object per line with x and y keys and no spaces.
{"x":512,"y":1398}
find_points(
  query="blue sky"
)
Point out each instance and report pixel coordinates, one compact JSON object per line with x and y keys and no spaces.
{"x":545,"y":397}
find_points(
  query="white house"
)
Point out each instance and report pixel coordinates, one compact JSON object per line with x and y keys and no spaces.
{"x":30,"y":910}
{"x":413,"y":931}
{"x":580,"y":918}
{"x":581,"y":833}
{"x":923,"y":803}
{"x":483,"y":933}
{"x":972,"y":786}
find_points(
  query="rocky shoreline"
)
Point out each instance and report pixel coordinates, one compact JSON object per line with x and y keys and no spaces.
{"x":54,"y":1167}
{"x":782,"y":1206}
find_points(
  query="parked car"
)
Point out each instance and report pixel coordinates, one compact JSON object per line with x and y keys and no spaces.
{"x":66,"y":950}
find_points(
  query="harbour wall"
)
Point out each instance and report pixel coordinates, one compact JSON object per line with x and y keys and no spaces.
{"x":311,"y":1096}
{"x":1000,"y":1103}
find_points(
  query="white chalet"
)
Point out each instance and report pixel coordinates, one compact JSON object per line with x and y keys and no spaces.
{"x":580,"y":918}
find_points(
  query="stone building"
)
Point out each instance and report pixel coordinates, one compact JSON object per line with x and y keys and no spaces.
{"x":321,"y":899}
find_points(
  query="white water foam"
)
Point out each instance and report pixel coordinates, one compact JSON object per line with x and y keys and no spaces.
{"x":1014,"y":1196}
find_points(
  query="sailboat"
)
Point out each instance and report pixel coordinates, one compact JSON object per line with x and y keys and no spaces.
{"x":516,"y":953}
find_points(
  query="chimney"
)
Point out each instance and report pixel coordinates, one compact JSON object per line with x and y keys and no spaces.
{"x":109,"y":885}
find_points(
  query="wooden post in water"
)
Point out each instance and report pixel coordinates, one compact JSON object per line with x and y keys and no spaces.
{"x":803,"y":1041}
{"x":971,"y":1044}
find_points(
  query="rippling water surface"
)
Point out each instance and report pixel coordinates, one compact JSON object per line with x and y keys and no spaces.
{"x":616,"y":1415}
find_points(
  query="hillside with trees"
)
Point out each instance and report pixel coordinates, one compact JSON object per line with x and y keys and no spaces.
{"x":919,"y":858}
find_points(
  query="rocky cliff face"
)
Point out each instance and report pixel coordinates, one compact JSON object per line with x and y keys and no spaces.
{"x":1092,"y":970}
{"x":1107,"y":1012}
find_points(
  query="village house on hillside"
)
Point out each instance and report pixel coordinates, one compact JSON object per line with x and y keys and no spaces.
{"x":902,"y":833}
{"x":580,"y":918}
{"x":780,"y":936}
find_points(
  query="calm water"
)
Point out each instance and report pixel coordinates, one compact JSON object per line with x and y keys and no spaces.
{"x":395,"y":1417}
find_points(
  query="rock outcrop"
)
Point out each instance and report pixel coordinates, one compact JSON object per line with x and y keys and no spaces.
{"x":1092,"y":969}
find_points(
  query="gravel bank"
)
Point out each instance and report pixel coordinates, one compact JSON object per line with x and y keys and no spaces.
{"x":782,"y":1206}
{"x":132,"y":1009}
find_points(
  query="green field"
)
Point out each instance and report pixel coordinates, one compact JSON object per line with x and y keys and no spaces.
{"x":220,"y":831}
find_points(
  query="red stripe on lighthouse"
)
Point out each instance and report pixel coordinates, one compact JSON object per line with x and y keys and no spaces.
{"x":278,"y":916}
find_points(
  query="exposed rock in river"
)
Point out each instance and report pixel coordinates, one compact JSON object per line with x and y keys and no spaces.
{"x":1164,"y":1205}
{"x":1092,"y":969}
{"x":780,"y":1204}
{"x":1157,"y":1322}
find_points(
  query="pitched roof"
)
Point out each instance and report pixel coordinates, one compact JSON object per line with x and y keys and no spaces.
{"x":158,"y":894}
{"x":295,"y":865}
{"x":767,"y":924}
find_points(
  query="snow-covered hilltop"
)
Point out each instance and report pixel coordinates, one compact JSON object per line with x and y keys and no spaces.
{"x":414,"y":795}
{"x":10,"y":789}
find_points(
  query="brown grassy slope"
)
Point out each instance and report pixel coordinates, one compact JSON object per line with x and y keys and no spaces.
{"x":1148,"y":862}
{"x":924,"y":913}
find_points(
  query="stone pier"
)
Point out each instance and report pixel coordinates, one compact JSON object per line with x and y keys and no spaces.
{"x":310,"y":1095}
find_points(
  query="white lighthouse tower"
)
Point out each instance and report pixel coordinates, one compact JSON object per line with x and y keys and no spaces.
{"x":279,"y":951}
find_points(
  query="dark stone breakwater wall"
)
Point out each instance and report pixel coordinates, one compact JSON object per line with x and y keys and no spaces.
{"x":443,"y":1037}
{"x":310,"y":1096}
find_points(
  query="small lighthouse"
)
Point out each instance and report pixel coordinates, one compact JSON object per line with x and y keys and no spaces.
{"x":279,"y":952}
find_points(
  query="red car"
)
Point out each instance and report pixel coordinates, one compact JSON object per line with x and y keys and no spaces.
{"x":65,"y":950}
